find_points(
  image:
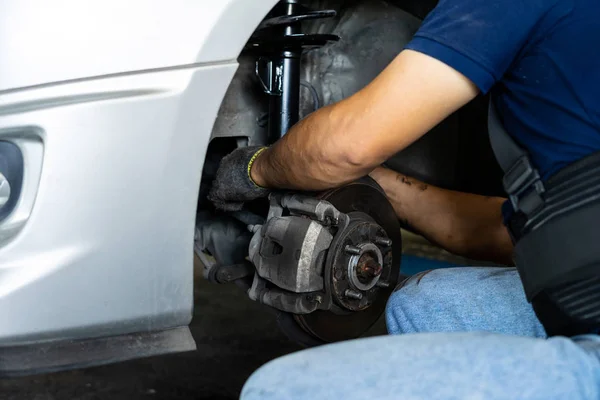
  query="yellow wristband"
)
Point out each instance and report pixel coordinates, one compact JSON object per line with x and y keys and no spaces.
{"x":254,"y":157}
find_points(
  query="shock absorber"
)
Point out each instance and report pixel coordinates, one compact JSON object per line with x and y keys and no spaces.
{"x":278,"y":44}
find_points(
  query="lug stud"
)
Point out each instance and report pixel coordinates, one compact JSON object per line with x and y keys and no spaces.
{"x":382,"y":241}
{"x":382,"y":284}
{"x":352,"y":250}
{"x":352,"y":294}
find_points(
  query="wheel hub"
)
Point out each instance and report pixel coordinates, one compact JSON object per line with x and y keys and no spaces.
{"x":359,"y":263}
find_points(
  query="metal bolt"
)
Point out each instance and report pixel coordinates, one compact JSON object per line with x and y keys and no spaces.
{"x":383,"y":284}
{"x":383,"y":241}
{"x":352,"y":294}
{"x":254,"y":228}
{"x":330,"y":220}
{"x":352,"y":249}
{"x":368,"y":268}
{"x":318,"y":299}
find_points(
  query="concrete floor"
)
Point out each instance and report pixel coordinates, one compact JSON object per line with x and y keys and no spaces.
{"x":229,"y":330}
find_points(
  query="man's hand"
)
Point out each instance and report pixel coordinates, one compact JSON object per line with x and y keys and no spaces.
{"x":233,"y":185}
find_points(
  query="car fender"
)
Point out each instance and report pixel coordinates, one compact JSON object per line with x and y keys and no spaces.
{"x":112,"y":104}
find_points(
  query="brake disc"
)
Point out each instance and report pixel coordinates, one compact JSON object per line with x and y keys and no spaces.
{"x":356,"y":312}
{"x":326,"y":264}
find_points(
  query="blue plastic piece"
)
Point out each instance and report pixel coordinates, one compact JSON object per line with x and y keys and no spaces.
{"x":413,"y":265}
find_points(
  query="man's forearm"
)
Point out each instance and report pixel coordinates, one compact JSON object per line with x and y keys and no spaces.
{"x":462,"y":223}
{"x":314,"y":155}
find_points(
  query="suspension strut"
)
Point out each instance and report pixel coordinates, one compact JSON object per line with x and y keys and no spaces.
{"x":278,"y":44}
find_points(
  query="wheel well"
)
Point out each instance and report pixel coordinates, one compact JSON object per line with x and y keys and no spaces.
{"x":456,"y":154}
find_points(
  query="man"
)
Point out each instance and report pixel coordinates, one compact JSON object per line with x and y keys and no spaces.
{"x":540,"y":58}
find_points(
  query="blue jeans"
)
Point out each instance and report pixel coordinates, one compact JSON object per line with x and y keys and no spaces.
{"x":468,"y":333}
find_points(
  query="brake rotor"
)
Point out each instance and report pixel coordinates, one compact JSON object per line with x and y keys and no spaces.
{"x":378,"y":266}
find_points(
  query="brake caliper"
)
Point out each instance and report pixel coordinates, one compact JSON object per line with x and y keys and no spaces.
{"x":309,"y":256}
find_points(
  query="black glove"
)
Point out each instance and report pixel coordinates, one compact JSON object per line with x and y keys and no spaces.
{"x":232,"y":186}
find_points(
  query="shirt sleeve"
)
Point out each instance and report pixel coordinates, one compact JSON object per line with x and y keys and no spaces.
{"x":479,"y":38}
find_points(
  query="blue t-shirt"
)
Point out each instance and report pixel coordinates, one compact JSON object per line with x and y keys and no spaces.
{"x":542,"y":58}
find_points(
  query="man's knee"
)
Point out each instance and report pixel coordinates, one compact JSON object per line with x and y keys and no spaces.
{"x":462,"y":299}
{"x":261,"y":384}
{"x":435,"y":300}
{"x":307,"y":374}
{"x":412,"y":297}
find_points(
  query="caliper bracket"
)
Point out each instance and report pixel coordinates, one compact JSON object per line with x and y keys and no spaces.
{"x":290,"y":250}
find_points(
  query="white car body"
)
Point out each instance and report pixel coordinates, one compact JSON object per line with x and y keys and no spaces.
{"x":112,"y":104}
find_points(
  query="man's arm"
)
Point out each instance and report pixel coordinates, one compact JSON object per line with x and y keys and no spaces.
{"x":462,"y":223}
{"x":345,"y":141}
